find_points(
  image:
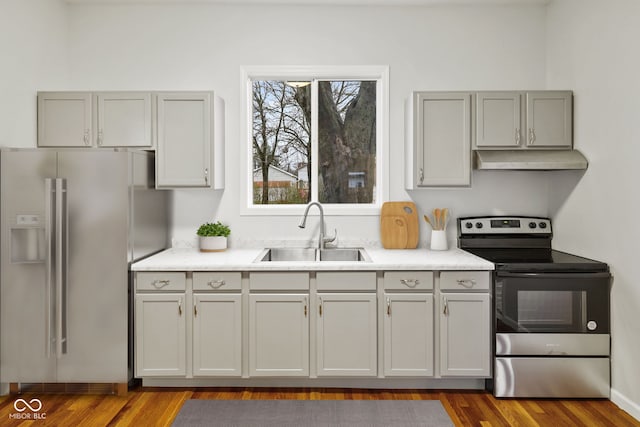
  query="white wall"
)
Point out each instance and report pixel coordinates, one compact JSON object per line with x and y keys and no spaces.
{"x":593,"y":48}
{"x":33,"y":43}
{"x":203,"y":46}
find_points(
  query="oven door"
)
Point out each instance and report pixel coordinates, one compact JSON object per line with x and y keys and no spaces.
{"x":576,"y":303}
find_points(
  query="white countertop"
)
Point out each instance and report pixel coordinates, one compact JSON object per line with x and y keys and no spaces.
{"x":189,"y":259}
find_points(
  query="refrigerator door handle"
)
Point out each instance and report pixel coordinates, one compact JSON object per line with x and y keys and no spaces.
{"x":62,"y":223}
{"x":50,"y":273}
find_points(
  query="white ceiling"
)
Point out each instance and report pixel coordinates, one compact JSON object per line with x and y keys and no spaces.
{"x":329,"y":2}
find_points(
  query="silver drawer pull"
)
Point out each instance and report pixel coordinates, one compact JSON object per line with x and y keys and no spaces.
{"x":159,"y":284}
{"x":467,"y":283}
{"x":412,"y":283}
{"x":215,"y":284}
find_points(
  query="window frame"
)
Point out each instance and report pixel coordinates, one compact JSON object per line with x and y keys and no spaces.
{"x":379,"y":73}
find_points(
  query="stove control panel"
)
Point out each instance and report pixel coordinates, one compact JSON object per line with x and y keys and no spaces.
{"x":504,"y":225}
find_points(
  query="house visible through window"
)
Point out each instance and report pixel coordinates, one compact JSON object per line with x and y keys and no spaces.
{"x":314,"y":139}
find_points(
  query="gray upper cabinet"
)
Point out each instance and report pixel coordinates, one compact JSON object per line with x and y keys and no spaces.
{"x":190,"y":126}
{"x":524,"y":120}
{"x":438,"y":139}
{"x":498,"y":121}
{"x":549,"y":119}
{"x":123,"y":119}
{"x":85,"y":119}
{"x":64,"y":119}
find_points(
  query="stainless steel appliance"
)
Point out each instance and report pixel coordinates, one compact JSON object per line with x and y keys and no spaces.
{"x":551,"y":310}
{"x":71,"y":221}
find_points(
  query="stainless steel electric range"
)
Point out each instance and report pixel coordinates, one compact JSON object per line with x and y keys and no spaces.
{"x":551,"y":310}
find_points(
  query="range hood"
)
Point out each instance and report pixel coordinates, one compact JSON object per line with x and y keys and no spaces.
{"x":529,"y":160}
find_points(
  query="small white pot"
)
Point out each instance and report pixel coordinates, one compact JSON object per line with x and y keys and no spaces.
{"x":213,"y":243}
{"x":438,"y":240}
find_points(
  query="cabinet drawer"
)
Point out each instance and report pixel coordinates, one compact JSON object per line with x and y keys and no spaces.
{"x":217,"y":281}
{"x":465,"y":280}
{"x":161,"y":281}
{"x":346,"y":281}
{"x":408,"y":280}
{"x":278,"y":281}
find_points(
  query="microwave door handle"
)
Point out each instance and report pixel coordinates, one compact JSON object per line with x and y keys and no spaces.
{"x":50,"y":272}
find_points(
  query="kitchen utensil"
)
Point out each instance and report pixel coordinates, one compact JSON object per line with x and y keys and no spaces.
{"x":436,"y":215}
{"x":399,"y":228}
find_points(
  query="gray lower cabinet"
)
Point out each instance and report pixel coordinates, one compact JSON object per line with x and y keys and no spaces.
{"x":279,"y":335}
{"x":346,"y":334}
{"x":217,"y":334}
{"x":408,"y":334}
{"x":465,"y":324}
{"x":438,"y":140}
{"x":265,"y":329}
{"x":216,"y":338}
{"x":408,"y":324}
{"x":161,"y":332}
{"x":278,"y":324}
{"x":346,"y":324}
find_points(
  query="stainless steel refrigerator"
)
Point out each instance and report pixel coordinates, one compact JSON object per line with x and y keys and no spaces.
{"x":72,"y":221}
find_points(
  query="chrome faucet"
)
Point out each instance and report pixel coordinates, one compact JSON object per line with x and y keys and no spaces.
{"x":321,"y":238}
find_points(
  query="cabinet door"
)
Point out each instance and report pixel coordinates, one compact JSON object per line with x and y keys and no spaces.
{"x":443,"y":139}
{"x":160,"y":335}
{"x":183,"y":156}
{"x":498,"y":119}
{"x":408,"y":335}
{"x":64,"y":119}
{"x":346,"y":334}
{"x":279,"y":335}
{"x":217,"y":335}
{"x":549,"y":119}
{"x":124,"y":119}
{"x":465,"y":338}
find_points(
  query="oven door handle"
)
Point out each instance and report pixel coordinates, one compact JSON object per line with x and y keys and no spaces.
{"x":551,"y":275}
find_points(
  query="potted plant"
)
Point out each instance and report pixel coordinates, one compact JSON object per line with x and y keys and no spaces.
{"x":213,"y":236}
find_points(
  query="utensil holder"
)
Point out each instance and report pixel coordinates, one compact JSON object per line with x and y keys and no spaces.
{"x":438,"y":240}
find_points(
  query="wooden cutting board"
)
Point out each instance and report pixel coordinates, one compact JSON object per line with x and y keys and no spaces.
{"x":399,"y":227}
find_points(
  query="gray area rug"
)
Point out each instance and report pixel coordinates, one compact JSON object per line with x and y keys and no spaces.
{"x":313,"y":413}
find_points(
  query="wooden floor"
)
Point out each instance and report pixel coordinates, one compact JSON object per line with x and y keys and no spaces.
{"x":159,"y":406}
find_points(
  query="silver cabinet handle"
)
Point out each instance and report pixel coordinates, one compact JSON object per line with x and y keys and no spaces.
{"x":320,"y":307}
{"x":421,"y":176}
{"x":100,"y":137}
{"x":86,"y":137}
{"x":180,"y":307}
{"x":305,"y":306}
{"x":159,"y":284}
{"x":467,"y":283}
{"x":532,"y":136}
{"x":206,"y":176}
{"x":412,"y":283}
{"x":195,"y":309}
{"x":215,"y":284}
{"x":389,"y":307}
{"x":445,"y":310}
{"x":517,"y":136}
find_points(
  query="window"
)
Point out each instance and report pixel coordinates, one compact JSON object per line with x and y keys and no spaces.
{"x":316,"y":134}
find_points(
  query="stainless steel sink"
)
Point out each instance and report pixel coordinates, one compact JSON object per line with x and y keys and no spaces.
{"x":312,"y":255}
{"x":343,"y":254}
{"x":289,"y":254}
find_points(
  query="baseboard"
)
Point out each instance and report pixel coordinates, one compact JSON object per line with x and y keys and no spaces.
{"x":626,"y":404}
